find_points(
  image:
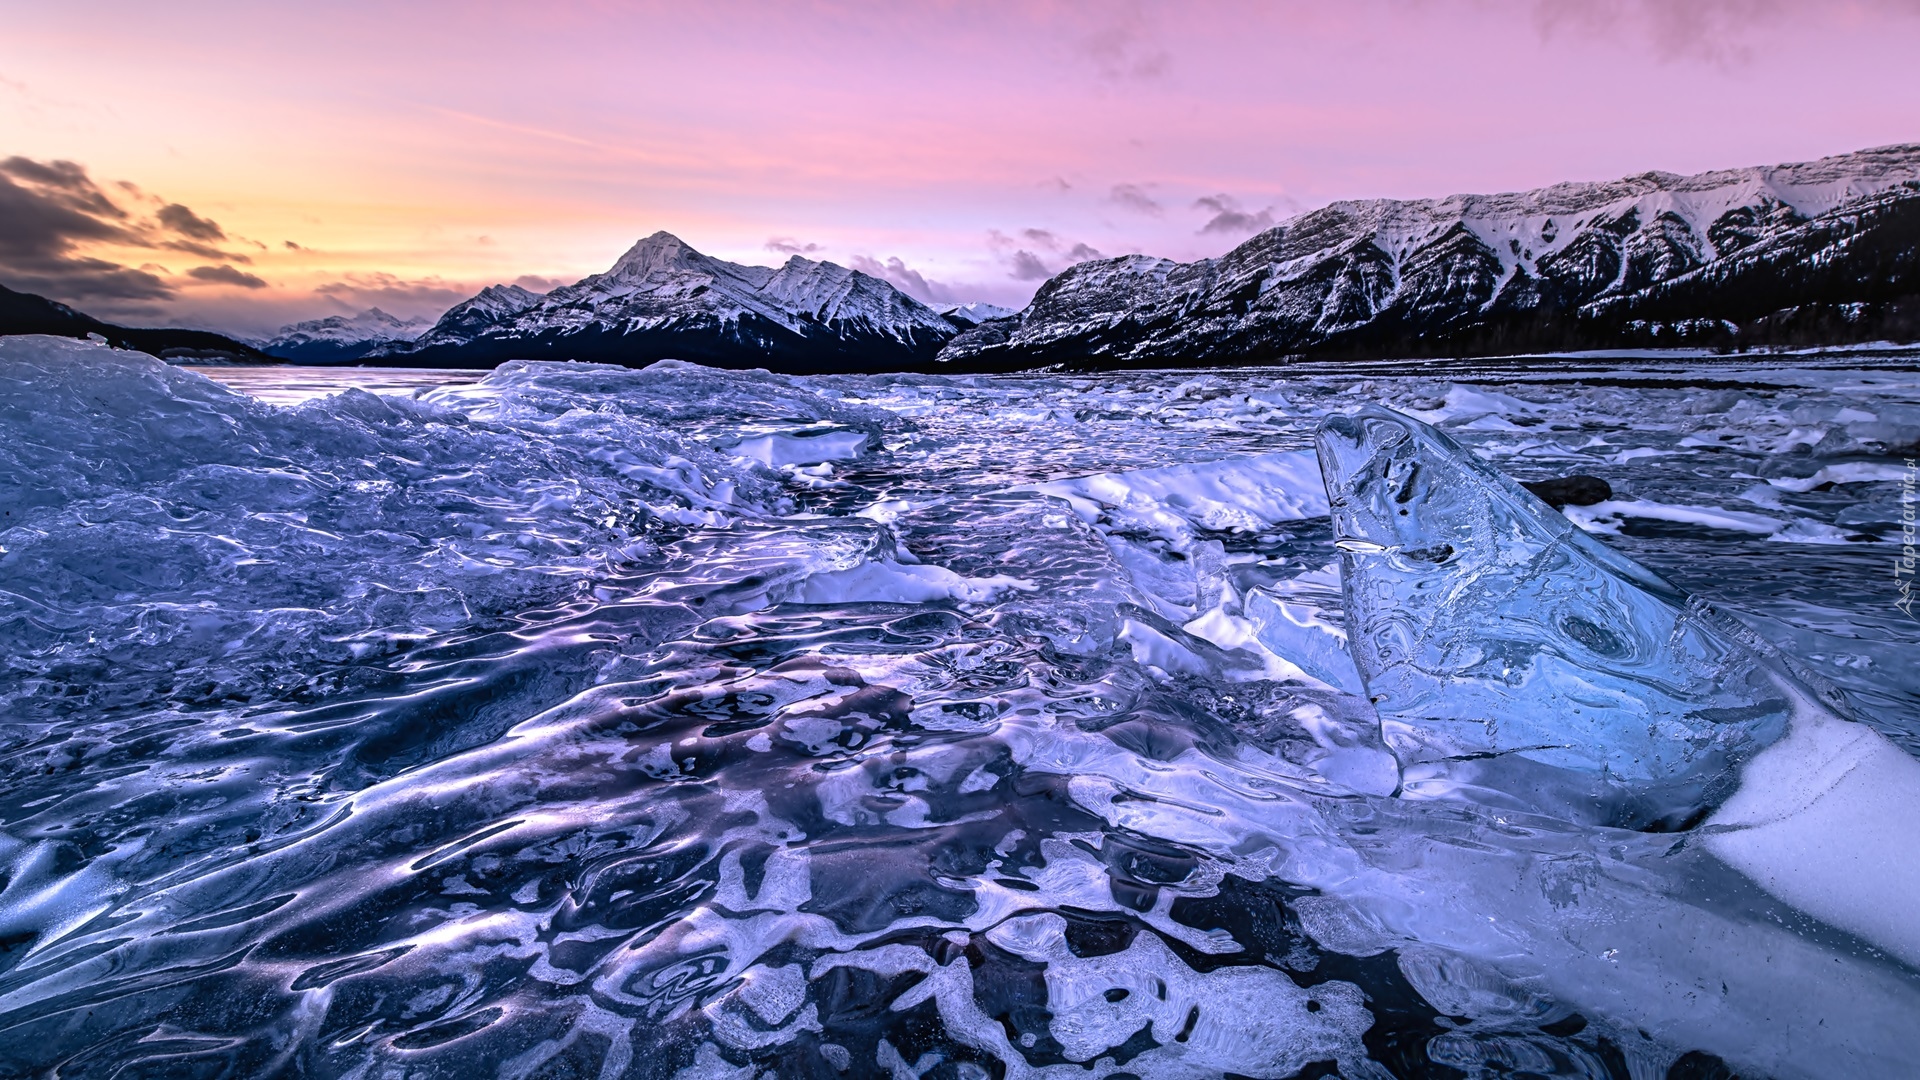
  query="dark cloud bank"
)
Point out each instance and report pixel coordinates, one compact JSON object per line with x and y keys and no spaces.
{"x":52,"y":211}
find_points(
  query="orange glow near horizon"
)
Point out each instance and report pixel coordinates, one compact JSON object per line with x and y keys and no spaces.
{"x":416,"y":154}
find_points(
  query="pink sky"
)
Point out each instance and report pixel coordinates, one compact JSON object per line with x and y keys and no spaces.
{"x":418,"y":153}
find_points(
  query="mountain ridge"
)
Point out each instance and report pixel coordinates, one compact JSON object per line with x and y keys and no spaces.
{"x":30,"y":313}
{"x":1834,"y":244}
{"x":1824,"y":252}
{"x":664,"y":300}
{"x":338,"y":339}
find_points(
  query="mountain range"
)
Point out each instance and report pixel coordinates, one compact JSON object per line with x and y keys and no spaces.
{"x":339,"y":339}
{"x":662,"y":299}
{"x":1819,"y":253}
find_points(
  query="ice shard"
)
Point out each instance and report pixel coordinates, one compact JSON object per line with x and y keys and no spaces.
{"x":1512,"y":656}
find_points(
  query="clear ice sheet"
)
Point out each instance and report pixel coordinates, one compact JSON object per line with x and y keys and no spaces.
{"x":1487,"y":627}
{"x":635,"y":757}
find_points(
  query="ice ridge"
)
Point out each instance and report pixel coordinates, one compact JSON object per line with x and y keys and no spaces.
{"x":1506,"y":649}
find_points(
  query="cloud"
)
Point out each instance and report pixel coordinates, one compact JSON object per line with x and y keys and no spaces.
{"x":536,"y":283}
{"x":47,"y":212}
{"x":54,"y":219}
{"x":189,"y":224}
{"x":1229,"y":218}
{"x":226,"y":275}
{"x":1028,"y":267}
{"x":908,"y":280}
{"x":1121,"y":50}
{"x":1708,"y":30}
{"x":205,"y":251}
{"x":1053,"y":254}
{"x":787,"y":245}
{"x":65,"y":183}
{"x":45,"y":217}
{"x":399,"y":295}
{"x":1135,"y":198}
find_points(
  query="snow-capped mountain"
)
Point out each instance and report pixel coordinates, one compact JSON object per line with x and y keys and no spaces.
{"x":969,"y":315}
{"x":340,"y":338}
{"x":1827,"y":250}
{"x":664,"y":300}
{"x":490,"y":305}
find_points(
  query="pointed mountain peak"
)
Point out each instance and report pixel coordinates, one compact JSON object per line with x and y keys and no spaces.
{"x":661,"y":251}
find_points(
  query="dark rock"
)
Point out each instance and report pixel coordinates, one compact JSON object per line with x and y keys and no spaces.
{"x":1576,"y":490}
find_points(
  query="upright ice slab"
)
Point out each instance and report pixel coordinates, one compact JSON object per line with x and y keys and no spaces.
{"x":1507,"y":651}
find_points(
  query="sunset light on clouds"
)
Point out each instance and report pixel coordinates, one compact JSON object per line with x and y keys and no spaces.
{"x":236,"y":166}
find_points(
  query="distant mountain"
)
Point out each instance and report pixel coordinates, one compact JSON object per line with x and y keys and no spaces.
{"x":25,"y":313}
{"x":1819,"y":253}
{"x":492,"y":305}
{"x":664,"y":300}
{"x":967,"y":316}
{"x":339,"y":339}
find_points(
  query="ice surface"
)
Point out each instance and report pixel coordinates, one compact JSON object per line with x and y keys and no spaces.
{"x":512,"y":728}
{"x":1607,"y":517}
{"x":1825,"y":819}
{"x":1302,"y":635}
{"x":1487,"y":627}
{"x":1238,"y":494}
{"x":802,"y":448}
{"x":1248,"y":1021}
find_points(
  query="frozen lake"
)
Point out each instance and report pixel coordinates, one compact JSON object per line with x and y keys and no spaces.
{"x":579,"y":721}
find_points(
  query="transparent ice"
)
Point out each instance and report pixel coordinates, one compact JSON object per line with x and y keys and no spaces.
{"x":1510,"y":652}
{"x":538,"y":725}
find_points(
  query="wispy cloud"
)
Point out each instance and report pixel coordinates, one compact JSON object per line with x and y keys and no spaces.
{"x":189,"y":224}
{"x":1124,"y":47}
{"x":431,"y":294}
{"x":226,"y":275}
{"x":787,"y":245}
{"x":539,"y":283}
{"x":1028,"y":267}
{"x":1229,"y":218}
{"x":1716,"y":31}
{"x":1038,"y":254}
{"x":896,"y":272}
{"x":1135,"y":198}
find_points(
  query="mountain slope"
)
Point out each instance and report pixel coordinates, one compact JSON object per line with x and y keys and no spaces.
{"x":664,"y":300}
{"x":339,"y":339}
{"x":1822,"y":252}
{"x":26,"y":313}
